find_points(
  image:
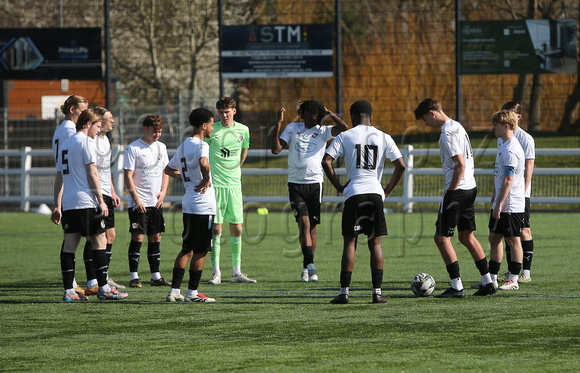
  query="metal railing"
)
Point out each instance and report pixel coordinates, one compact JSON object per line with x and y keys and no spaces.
{"x":25,"y":172}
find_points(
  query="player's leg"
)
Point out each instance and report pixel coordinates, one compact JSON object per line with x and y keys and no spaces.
{"x":67,"y":266}
{"x":512,"y":231}
{"x":377,"y":262}
{"x":155,"y":228}
{"x":92,"y":283}
{"x":221,"y":200}
{"x":178,"y":272}
{"x":495,"y":241}
{"x":137,"y":224}
{"x":527,"y":246}
{"x":314,"y":199}
{"x":235,"y":216}
{"x":200,"y":243}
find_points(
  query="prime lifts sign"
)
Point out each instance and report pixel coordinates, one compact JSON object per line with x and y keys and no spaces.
{"x":277,"y":51}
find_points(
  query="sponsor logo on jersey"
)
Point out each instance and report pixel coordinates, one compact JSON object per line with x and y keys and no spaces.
{"x":225,"y":152}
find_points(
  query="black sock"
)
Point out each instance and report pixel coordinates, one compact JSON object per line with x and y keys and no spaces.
{"x":508,"y":252}
{"x":67,"y":268}
{"x":134,"y":255}
{"x":154,"y":256}
{"x":482,"y":266}
{"x":377,"y":278}
{"x":453,"y":270}
{"x":178,"y":274}
{"x":101,"y":268}
{"x":345,"y":277}
{"x":308,"y":255}
{"x":514,"y":268}
{"x":109,"y":253}
{"x":494,"y":267}
{"x":528,"y":248}
{"x":88,"y":259}
{"x":194,"y":277}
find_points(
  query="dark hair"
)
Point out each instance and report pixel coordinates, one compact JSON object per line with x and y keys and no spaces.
{"x":225,"y":103}
{"x":512,"y":106}
{"x":101,"y":110}
{"x":154,"y":121}
{"x":426,"y":106}
{"x":358,"y":108}
{"x":200,"y":116}
{"x":312,"y":106}
{"x":87,"y":116}
{"x":72,"y":101}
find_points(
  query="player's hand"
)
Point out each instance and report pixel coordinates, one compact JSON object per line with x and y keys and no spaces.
{"x":140,"y":207}
{"x":56,"y":215}
{"x":116,"y":200}
{"x":160,"y":197}
{"x":103,"y":209}
{"x":496,"y":213}
{"x":280,"y":115}
{"x":343,"y":187}
{"x":202,"y":187}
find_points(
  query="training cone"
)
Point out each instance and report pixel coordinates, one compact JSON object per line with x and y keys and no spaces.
{"x":43,"y":209}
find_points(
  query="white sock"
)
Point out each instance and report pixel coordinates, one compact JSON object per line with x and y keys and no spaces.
{"x":69,"y":291}
{"x":311,"y":266}
{"x":377,"y":291}
{"x":236,"y":271}
{"x":526,"y":272}
{"x":75,"y":283}
{"x":155,"y":276}
{"x":456,"y":283}
{"x":104,"y":289}
{"x":217,"y":271}
{"x":175,"y":291}
{"x":344,"y":291}
{"x":493,"y":277}
{"x":191,"y":292}
{"x":513,"y":278}
{"x":92,"y":283}
{"x":486,"y":279}
{"x":134,"y":275}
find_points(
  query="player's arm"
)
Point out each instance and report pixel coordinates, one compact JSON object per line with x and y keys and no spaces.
{"x":330,"y":173}
{"x":172,"y":172}
{"x":204,"y":167}
{"x":529,"y":170}
{"x":130,"y":185}
{"x":243,"y":155}
{"x":458,"y":170}
{"x":339,"y":125}
{"x":503,"y":193}
{"x":57,"y":210}
{"x":277,"y":143}
{"x":396,"y":176}
{"x":116,"y":199}
{"x":95,"y":183}
{"x":163,"y":192}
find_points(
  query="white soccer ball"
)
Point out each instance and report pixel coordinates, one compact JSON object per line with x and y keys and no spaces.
{"x":423,"y":285}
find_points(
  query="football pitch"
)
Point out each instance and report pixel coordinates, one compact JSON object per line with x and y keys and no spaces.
{"x":282,"y":324}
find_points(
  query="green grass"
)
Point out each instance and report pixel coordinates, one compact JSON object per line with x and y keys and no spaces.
{"x":281,"y":324}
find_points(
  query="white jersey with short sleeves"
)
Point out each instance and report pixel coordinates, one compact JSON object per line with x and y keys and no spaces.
{"x":510,"y":154}
{"x":454,"y":141}
{"x":365,"y":149}
{"x":74,"y":154}
{"x":66,"y":129}
{"x":104,"y":164}
{"x":528,"y":145}
{"x":186,"y":160}
{"x":148,"y":164}
{"x":306,"y":150}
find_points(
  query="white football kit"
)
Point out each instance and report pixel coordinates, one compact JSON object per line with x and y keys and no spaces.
{"x":74,"y":154}
{"x":365,"y":149}
{"x":104,"y":164}
{"x":306,"y":150}
{"x":148,"y":163}
{"x":66,"y":129}
{"x":510,"y":154}
{"x":186,"y":160}
{"x":452,"y":142}
{"x":528,"y":145}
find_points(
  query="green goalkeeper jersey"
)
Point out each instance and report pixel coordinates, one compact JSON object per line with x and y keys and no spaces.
{"x":225,"y":147}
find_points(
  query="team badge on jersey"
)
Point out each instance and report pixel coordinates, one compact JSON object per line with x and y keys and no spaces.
{"x":241,"y":138}
{"x":135,"y":226}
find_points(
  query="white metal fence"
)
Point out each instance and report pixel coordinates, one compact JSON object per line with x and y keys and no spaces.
{"x":24,"y":184}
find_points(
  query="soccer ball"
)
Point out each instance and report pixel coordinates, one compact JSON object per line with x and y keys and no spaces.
{"x":423,"y":285}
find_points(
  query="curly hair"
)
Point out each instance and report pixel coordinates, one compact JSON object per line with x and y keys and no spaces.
{"x":312,"y":106}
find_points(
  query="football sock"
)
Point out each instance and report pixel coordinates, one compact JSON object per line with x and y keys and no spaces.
{"x":508,"y":252}
{"x":92,"y":283}
{"x":100,"y":263}
{"x":494,"y":268}
{"x":194,"y":277}
{"x":88,"y":259}
{"x":311,"y":266}
{"x":109,"y":253}
{"x":236,"y":249}
{"x":528,"y":248}
{"x":308,"y":256}
{"x":215,"y":254}
{"x":67,"y":267}
{"x":456,"y":283}
{"x":236,"y":271}
{"x":377,"y":278}
{"x":177,"y":278}
{"x":486,"y":279}
{"x":105,"y":288}
{"x":155,"y":276}
{"x":345,"y":278}
{"x":514,"y":269}
{"x":134,"y":275}
{"x":482,"y":266}
{"x":134,"y":255}
{"x":154,"y":256}
{"x":191,"y":292}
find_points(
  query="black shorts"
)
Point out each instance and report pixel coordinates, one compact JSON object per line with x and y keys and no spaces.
{"x":364,"y":213}
{"x":109,"y":220}
{"x":197,"y":233}
{"x":456,"y":210}
{"x":305,"y":200}
{"x":149,"y":222}
{"x":527,"y":214}
{"x":509,"y":224}
{"x":87,"y":222}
